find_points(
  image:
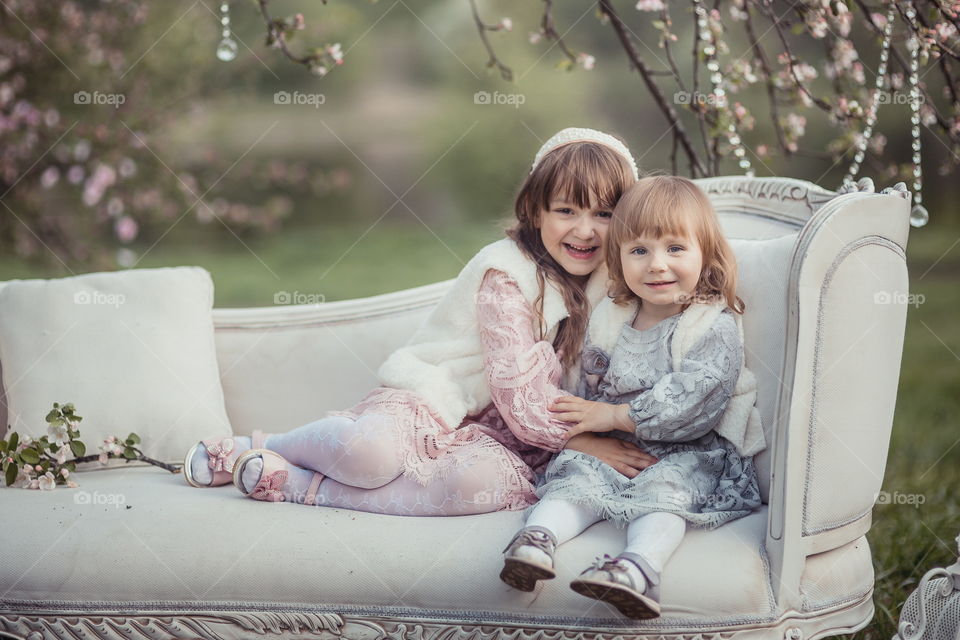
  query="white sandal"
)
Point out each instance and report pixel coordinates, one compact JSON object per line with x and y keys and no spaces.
{"x":523,"y":573}
{"x":609,"y":581}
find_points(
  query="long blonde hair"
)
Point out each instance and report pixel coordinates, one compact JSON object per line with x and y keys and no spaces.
{"x":662,"y":205}
{"x":577,"y":173}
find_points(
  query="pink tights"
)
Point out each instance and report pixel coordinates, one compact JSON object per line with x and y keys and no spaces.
{"x":360,"y":459}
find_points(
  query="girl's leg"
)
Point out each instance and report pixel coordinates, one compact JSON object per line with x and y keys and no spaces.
{"x":466,"y":489}
{"x":651,"y":540}
{"x":362,"y":453}
{"x":562,"y":519}
{"x":565,"y":520}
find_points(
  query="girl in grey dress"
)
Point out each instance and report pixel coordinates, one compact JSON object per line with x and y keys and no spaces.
{"x":662,"y":367}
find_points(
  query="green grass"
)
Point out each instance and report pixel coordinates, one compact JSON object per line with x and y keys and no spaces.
{"x":924,"y":458}
{"x":336,"y":262}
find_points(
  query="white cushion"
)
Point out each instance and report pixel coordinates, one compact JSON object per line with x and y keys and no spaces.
{"x":764,"y":275}
{"x":216,"y":546}
{"x":132,"y":350}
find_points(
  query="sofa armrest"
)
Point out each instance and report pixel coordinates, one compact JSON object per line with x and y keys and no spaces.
{"x":848,"y":301}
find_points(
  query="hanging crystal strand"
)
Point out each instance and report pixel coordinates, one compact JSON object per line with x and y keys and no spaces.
{"x":871,"y":119}
{"x":918,"y":214}
{"x":227,"y":49}
{"x":709,"y":49}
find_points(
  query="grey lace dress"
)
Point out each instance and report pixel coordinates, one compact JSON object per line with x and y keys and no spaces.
{"x":699,"y":475}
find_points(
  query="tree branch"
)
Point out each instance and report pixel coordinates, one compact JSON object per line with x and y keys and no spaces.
{"x":505,"y":72}
{"x":676,"y":126}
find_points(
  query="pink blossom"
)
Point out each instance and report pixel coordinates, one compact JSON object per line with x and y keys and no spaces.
{"x":505,"y":24}
{"x":49,"y":177}
{"x":586,"y":61}
{"x":38,"y":468}
{"x":335,"y":53}
{"x":126,"y":229}
{"x":65,"y":473}
{"x":75,"y":174}
{"x":81,"y":151}
{"x":72,"y":484}
{"x":33,"y":485}
{"x":535,"y":36}
{"x":47,"y":482}
{"x":102,"y":458}
{"x":58,"y":434}
{"x":651,"y":5}
{"x":61,"y":454}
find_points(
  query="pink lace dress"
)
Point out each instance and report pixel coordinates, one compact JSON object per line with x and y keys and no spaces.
{"x":516,"y":428}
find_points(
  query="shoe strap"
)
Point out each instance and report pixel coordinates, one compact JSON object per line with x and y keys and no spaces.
{"x":652,"y":575}
{"x":524,"y":537}
{"x":313,"y":488}
{"x":257,"y":439}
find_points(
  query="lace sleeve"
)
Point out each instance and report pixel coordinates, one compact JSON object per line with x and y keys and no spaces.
{"x":686,"y":404}
{"x":523,"y":373}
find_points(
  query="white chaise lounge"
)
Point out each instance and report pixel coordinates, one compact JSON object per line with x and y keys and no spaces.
{"x":824,"y":335}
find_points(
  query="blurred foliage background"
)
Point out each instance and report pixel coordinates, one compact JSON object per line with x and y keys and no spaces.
{"x":395,"y":180}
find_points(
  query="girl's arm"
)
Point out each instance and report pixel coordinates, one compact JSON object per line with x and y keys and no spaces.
{"x":522,"y":372}
{"x":686,"y":404}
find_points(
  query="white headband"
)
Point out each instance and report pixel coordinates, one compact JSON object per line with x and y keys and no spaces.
{"x":574,"y":134}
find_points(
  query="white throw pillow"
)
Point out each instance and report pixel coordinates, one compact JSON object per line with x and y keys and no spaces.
{"x":132,"y":350}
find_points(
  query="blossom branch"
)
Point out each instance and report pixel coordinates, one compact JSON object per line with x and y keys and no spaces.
{"x":676,"y":127}
{"x":505,"y":72}
{"x":318,"y":61}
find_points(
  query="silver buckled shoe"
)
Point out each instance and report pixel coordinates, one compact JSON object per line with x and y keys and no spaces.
{"x":608,"y":580}
{"x":520,"y":569}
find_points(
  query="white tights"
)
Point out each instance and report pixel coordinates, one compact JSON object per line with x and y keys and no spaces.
{"x":362,"y":453}
{"x":363,"y":469}
{"x":654,"y":536}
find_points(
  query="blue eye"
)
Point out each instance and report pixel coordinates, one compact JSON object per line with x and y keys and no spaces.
{"x":639,"y":251}
{"x":676,"y":246}
{"x":605,"y":214}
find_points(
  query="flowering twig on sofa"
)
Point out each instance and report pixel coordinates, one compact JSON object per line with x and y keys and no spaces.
{"x":40,"y":463}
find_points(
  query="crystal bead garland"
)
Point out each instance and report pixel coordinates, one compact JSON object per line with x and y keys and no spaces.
{"x":227,"y":49}
{"x":871,"y":119}
{"x":918,"y":214}
{"x":709,"y":50}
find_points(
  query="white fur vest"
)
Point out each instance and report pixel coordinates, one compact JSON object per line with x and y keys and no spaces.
{"x":443,"y":361}
{"x":740,"y":423}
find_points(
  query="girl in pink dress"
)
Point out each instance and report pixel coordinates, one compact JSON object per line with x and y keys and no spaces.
{"x":461,"y":423}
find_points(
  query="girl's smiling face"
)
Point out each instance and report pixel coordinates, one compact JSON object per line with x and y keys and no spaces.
{"x":575,"y":236}
{"x":663,"y":272}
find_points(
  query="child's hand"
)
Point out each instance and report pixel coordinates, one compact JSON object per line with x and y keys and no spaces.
{"x":591,"y":416}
